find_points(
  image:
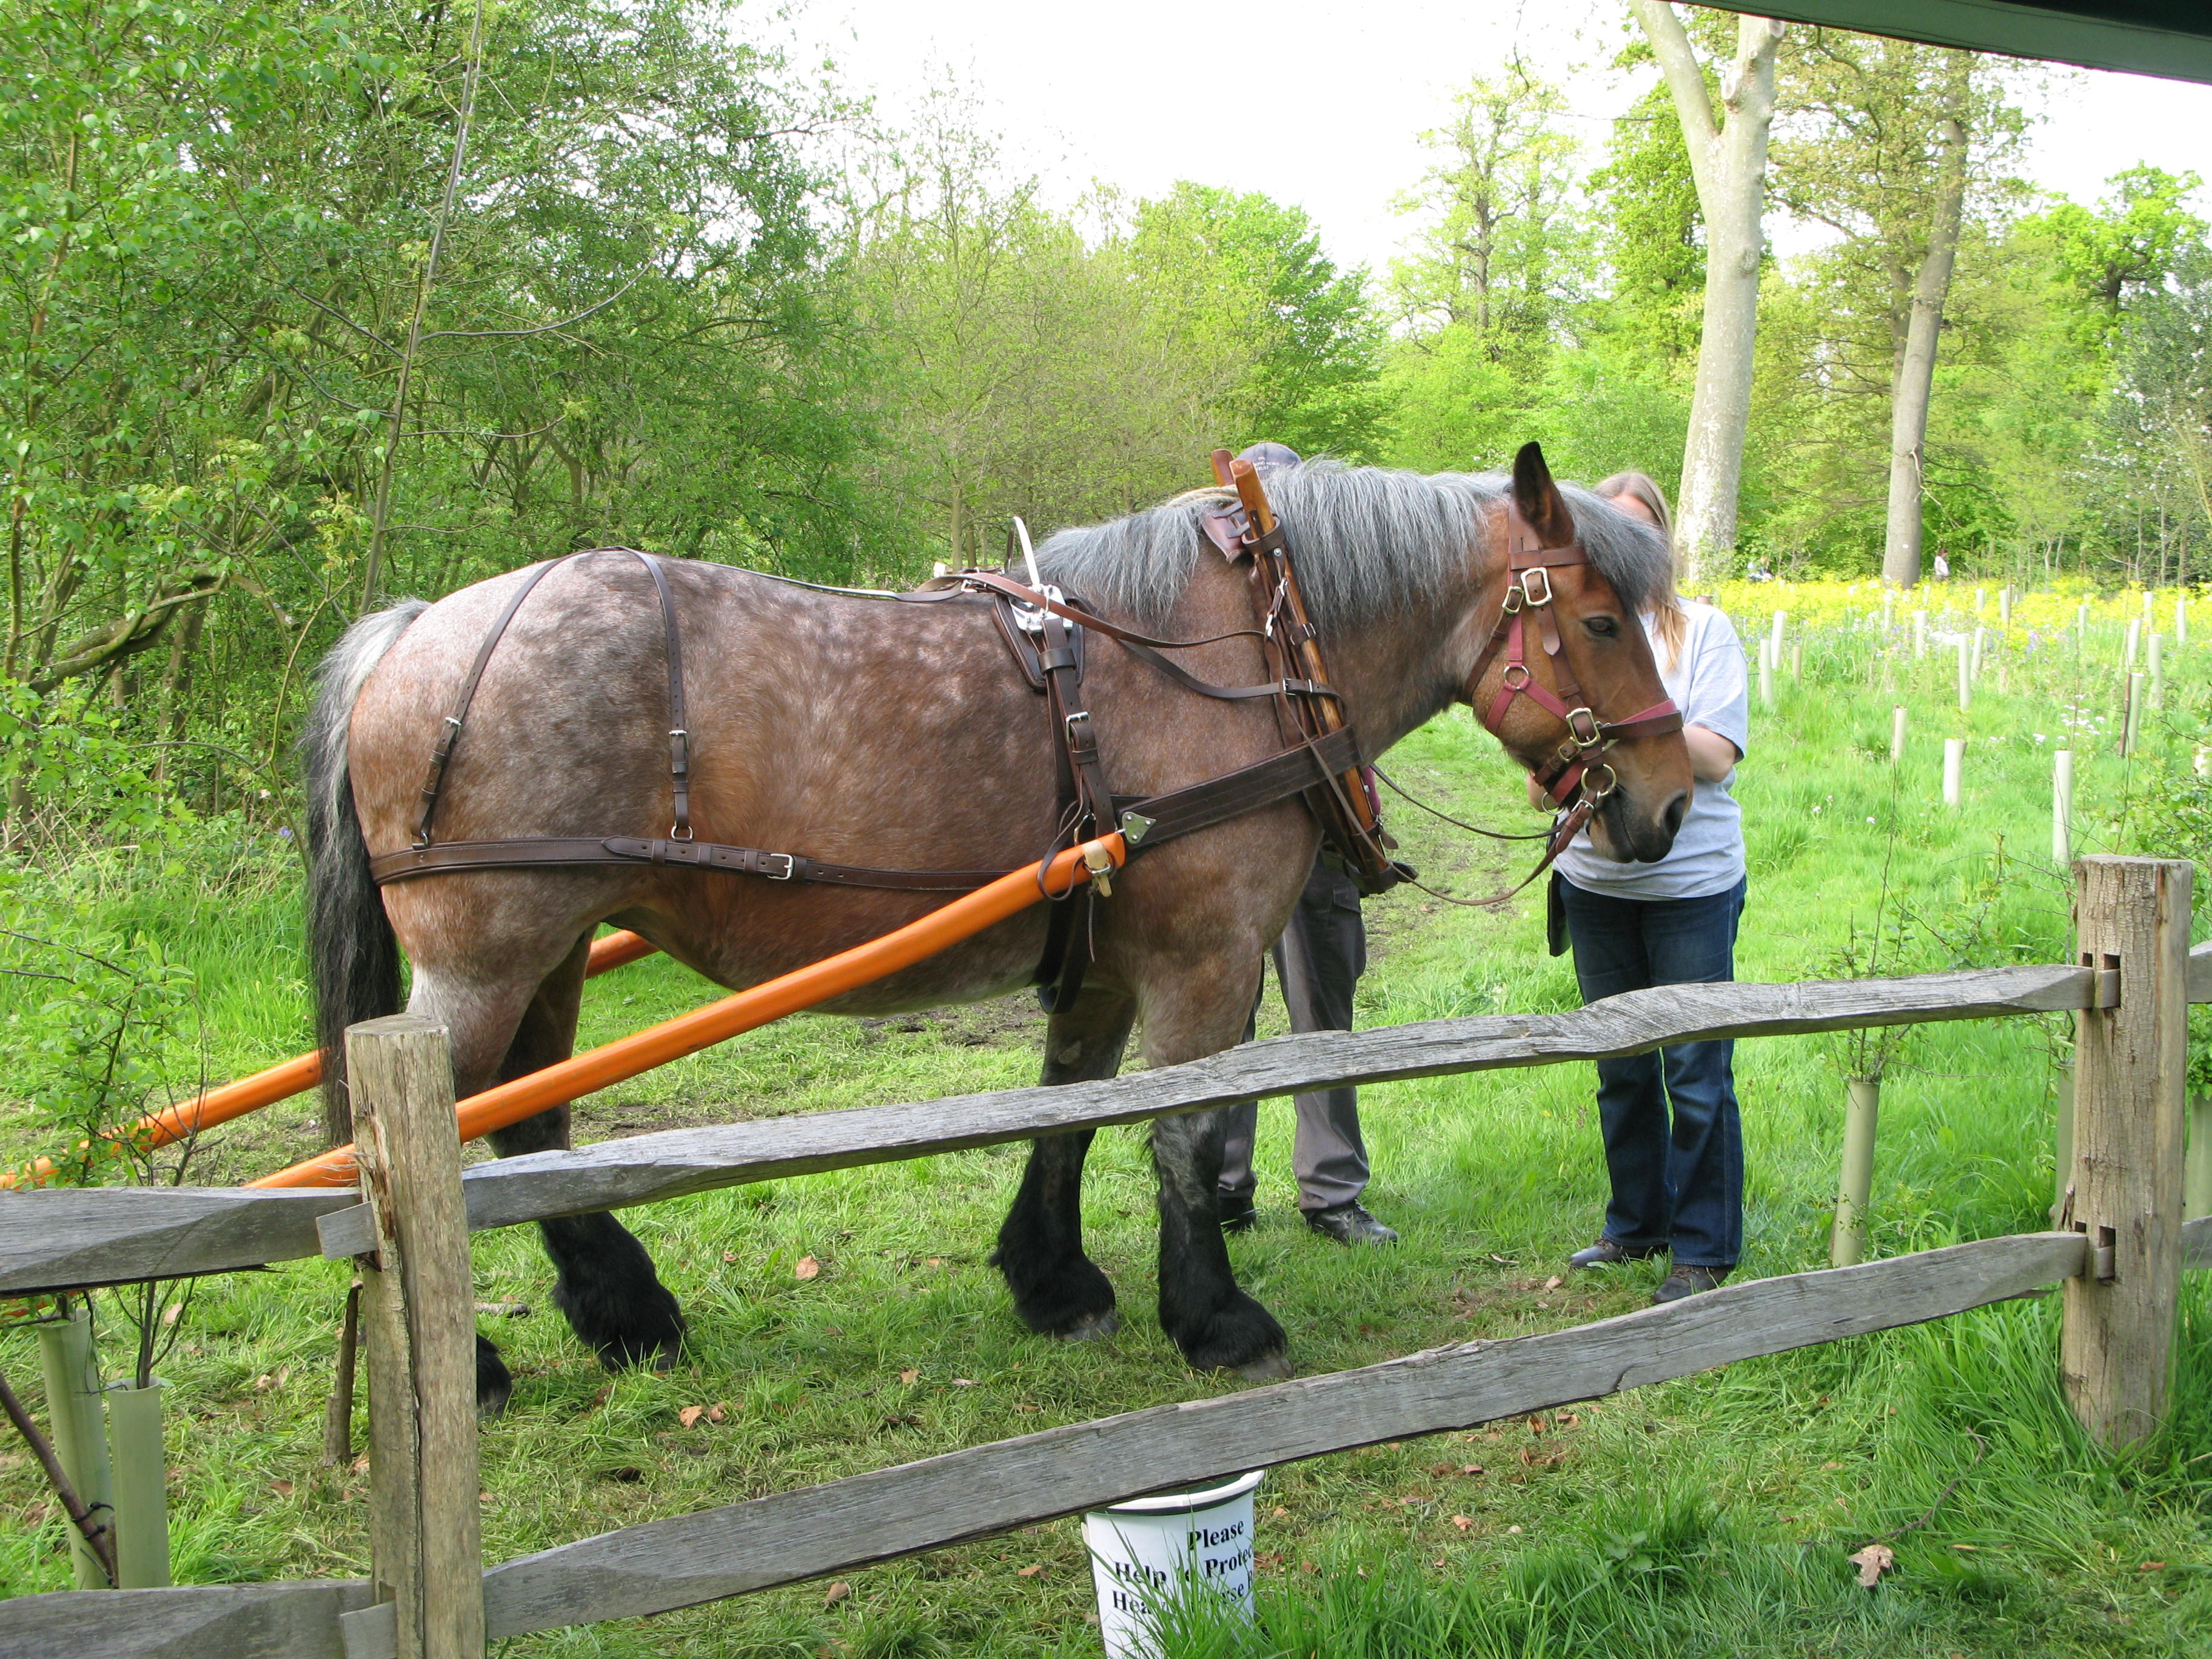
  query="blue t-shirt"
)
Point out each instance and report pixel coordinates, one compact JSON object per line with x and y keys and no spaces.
{"x":1709,"y":685}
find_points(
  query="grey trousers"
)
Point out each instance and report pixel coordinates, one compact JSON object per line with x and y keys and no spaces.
{"x":1318,"y":962}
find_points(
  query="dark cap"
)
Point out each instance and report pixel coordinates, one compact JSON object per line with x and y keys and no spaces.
{"x":1267,"y":456}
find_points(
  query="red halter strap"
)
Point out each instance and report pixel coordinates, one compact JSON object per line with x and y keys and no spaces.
{"x":1573,"y":768}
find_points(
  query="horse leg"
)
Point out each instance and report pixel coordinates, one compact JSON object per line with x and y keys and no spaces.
{"x":604,"y":1280}
{"x":1215,"y":1324}
{"x":1059,"y":1290}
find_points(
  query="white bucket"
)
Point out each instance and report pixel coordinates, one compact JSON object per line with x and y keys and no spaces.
{"x":1167,"y":1547}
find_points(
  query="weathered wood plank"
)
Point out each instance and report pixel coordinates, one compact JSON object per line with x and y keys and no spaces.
{"x":2129,"y":1101}
{"x":646,"y":1169}
{"x":65,"y":1238}
{"x":418,"y":1322}
{"x":2200,"y":973}
{"x":294,"y":1620}
{"x":665,"y":1565}
{"x":2196,"y":1243}
{"x":202,"y":1229}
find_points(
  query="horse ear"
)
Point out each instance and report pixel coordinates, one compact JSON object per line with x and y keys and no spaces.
{"x":1539,"y":499}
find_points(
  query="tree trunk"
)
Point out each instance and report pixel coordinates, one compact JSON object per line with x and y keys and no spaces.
{"x":1916,"y":368}
{"x":1728,"y":159}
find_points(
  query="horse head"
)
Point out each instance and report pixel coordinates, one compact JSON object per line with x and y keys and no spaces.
{"x":1566,"y":680}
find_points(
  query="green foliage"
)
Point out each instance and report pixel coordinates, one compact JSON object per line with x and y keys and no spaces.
{"x":1653,"y":234}
{"x":1240,"y":275}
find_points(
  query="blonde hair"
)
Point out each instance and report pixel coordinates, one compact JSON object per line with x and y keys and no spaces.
{"x":1668,"y":615}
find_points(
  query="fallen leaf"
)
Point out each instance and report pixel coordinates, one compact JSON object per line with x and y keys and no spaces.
{"x":1825,"y":1467}
{"x":1872,"y":1562}
{"x":1440,"y":1468}
{"x":1513,"y":1529}
{"x":2152,"y":1566}
{"x":483,"y":1498}
{"x":361,"y":1464}
{"x":691,"y":1414}
{"x":1554,"y":1284}
{"x":936,"y":1261}
{"x":1461,"y":1522}
{"x":282,"y":1488}
{"x":910,"y":1376}
{"x":1308,"y":1566}
{"x":1568,"y":1420}
{"x":717,"y":1413}
{"x":1029,"y":1571}
{"x":808,"y":1268}
{"x":1470,"y":1469}
{"x":964,"y":1381}
{"x":838,"y":1592}
{"x":1281,"y":1514}
{"x":729,"y":1255}
{"x":1028,"y":1408}
{"x":1966,"y":1546}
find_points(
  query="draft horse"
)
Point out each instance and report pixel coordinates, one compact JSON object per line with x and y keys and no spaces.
{"x":858,"y":730}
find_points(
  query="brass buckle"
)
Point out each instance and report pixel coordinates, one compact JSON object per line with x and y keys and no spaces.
{"x":1513,"y":596}
{"x":1536,"y":572}
{"x":1576,"y":732}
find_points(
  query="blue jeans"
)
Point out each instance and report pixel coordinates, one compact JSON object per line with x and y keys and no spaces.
{"x":1677,"y":1185}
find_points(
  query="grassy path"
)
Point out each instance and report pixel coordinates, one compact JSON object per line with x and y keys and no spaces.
{"x":1707,"y":1517}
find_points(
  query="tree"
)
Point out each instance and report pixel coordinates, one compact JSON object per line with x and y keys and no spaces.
{"x":1727,"y":158}
{"x":1243,"y":276}
{"x":1653,"y":233}
{"x":1501,"y":252}
{"x":1887,"y":141}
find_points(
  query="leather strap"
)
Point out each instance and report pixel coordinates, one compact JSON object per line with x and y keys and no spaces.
{"x":442,"y":753}
{"x":679,"y":738}
{"x":1178,"y":812}
{"x":679,"y":734}
{"x":530,"y":852}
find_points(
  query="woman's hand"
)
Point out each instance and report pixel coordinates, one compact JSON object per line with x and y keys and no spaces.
{"x":1536,"y":795}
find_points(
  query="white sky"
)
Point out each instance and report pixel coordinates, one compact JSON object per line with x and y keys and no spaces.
{"x":1140,"y":93}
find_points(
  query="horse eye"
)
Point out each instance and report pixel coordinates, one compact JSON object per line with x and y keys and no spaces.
{"x":1604,"y":627}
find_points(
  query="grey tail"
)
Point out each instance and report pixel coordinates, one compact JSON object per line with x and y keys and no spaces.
{"x":351,"y":948}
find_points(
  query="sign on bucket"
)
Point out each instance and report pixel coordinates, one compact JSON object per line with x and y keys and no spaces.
{"x":1151,"y":1554}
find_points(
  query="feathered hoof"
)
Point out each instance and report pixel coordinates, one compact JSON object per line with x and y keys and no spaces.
{"x":1236,"y":1334}
{"x":1095,"y":1328}
{"x":495,"y":1383}
{"x":1268,"y":1367}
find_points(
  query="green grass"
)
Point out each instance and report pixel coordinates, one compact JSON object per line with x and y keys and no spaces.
{"x":1710,"y":1515}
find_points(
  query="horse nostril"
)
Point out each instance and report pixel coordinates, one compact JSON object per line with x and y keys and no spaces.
{"x":1676,"y":809}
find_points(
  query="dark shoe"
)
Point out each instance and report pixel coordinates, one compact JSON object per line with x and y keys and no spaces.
{"x":1350,"y":1224}
{"x":1238,"y":1215}
{"x":1608,"y":1253}
{"x":1688,"y":1281}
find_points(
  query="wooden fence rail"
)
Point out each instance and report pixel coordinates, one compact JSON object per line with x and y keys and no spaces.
{"x":810,"y":1533}
{"x":2118,"y":1249}
{"x":68,"y":1237}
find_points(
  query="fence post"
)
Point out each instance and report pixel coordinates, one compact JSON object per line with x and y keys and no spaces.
{"x":1954,"y":762}
{"x":418,"y":1319}
{"x":2124,"y":1192}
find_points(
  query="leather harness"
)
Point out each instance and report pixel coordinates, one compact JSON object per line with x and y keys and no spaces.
{"x":1046,"y":632}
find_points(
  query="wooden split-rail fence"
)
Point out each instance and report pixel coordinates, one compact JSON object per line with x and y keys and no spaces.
{"x":2117,"y":1250}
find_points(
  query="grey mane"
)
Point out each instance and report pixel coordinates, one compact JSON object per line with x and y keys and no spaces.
{"x":1370,"y":542}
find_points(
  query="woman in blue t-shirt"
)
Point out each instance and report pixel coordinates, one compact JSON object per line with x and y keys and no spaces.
{"x":1673,"y":1143}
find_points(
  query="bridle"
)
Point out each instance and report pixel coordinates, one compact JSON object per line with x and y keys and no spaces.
{"x":1577,"y":767}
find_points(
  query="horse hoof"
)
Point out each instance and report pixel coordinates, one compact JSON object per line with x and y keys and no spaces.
{"x":1268,"y":1367}
{"x":495,"y":1383}
{"x":1095,"y":1327}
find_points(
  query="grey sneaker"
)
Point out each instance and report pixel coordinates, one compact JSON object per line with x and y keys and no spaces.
{"x":1688,"y":1281}
{"x":1350,"y":1224}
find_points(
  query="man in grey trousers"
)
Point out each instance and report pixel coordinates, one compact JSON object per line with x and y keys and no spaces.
{"x":1318,"y":962}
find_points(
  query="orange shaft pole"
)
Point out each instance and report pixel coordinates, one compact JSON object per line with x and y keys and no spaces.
{"x":295,"y":1077}
{"x":703,"y":1028}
